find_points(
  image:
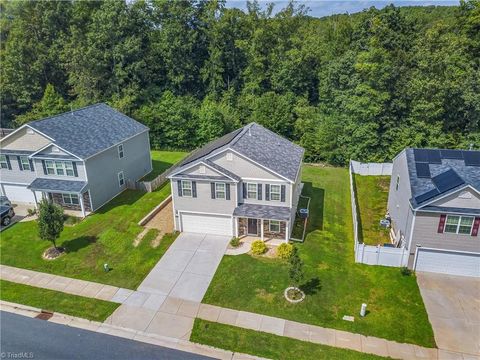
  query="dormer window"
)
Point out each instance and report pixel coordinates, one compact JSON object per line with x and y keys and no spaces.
{"x":120,"y":151}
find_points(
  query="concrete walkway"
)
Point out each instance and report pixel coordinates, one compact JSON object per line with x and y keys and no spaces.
{"x":168,"y":300}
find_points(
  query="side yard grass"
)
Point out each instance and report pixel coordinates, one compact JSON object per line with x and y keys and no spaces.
{"x":372,"y":198}
{"x":162,"y":160}
{"x":56,"y":301}
{"x":335,"y":285}
{"x":267,"y":345}
{"x":107,"y":236}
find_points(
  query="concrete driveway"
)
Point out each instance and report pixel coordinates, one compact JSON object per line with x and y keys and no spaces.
{"x":453,"y":307}
{"x":167,"y":301}
{"x":188,"y":266}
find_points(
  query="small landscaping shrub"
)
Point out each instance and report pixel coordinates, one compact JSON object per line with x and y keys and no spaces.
{"x":258,"y":247}
{"x":405,"y":271}
{"x":284,"y":251}
{"x":31,"y":212}
{"x":235,"y":242}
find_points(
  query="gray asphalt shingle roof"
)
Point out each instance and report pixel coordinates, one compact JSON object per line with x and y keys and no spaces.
{"x":267,"y":212}
{"x":57,"y":185}
{"x":258,"y":144}
{"x":89,"y":130}
{"x":420,"y":185}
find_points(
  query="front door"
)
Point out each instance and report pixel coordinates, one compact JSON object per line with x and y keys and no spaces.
{"x":252,"y":227}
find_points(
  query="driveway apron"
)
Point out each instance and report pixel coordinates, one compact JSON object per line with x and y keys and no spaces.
{"x":167,"y":301}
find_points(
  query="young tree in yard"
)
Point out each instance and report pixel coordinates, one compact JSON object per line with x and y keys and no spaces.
{"x":295,"y":271}
{"x":50,"y":221}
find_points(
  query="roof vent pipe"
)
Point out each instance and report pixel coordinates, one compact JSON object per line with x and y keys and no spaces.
{"x":249,"y":131}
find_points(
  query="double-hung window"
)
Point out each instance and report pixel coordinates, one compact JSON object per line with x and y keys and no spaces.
{"x":459,"y":224}
{"x":3,"y":162}
{"x":25,"y":163}
{"x":70,"y":199}
{"x":49,"y":167}
{"x":186,"y":188}
{"x":121,"y":179}
{"x":220,"y":190}
{"x":251,"y":191}
{"x":69,"y":168}
{"x":120,"y":151}
{"x":275,"y":192}
{"x":59,"y":168}
{"x":274,"y":226}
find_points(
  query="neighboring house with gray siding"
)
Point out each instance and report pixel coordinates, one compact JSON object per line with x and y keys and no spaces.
{"x":244,"y":183}
{"x":434,"y":204}
{"x":80,"y":159}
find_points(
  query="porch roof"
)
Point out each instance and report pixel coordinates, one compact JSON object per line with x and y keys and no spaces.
{"x":56,"y":185}
{"x":263,"y":212}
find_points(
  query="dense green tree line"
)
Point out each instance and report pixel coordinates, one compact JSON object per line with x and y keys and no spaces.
{"x":358,"y":86}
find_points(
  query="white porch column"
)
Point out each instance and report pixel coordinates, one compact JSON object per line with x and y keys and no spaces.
{"x":286,"y":232}
{"x":36,"y":201}
{"x":82,"y":206}
{"x":261,"y":229}
{"x":236,"y":226}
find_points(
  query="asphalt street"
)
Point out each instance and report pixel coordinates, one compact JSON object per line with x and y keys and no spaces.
{"x":26,"y":338}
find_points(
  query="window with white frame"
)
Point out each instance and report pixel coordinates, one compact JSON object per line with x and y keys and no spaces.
{"x":186,"y":188}
{"x":49,"y":167}
{"x":70,"y":199}
{"x":60,"y":168}
{"x":25,"y":163}
{"x":275,"y":192}
{"x":121,"y":179}
{"x":251,"y":191}
{"x":219,"y":190}
{"x":274,"y":226}
{"x":120,"y":151}
{"x":3,"y":162}
{"x":397,"y":183}
{"x":456,"y":224}
{"x":69,"y":168}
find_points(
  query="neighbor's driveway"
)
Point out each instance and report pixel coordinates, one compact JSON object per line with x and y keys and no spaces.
{"x":453,"y":307}
{"x":167,"y":301}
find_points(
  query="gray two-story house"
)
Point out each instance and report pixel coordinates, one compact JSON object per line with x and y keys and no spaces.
{"x":244,"y":183}
{"x":434,"y":204}
{"x":80,"y":159}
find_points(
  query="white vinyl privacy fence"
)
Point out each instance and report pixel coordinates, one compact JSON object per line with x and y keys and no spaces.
{"x":369,"y":254}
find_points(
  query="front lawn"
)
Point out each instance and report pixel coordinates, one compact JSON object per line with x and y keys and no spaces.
{"x":104,"y":237}
{"x":335,"y":285}
{"x":372,"y":198}
{"x":56,"y":301}
{"x":162,"y":160}
{"x":266,"y":345}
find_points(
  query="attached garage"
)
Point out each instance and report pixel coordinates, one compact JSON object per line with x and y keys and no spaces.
{"x":448,"y":262}
{"x":208,"y":224}
{"x":19,"y":193}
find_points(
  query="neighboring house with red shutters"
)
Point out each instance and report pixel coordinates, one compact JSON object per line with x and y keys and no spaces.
{"x":434,"y":204}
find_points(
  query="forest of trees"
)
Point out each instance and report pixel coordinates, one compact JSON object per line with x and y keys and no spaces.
{"x":360,"y":86}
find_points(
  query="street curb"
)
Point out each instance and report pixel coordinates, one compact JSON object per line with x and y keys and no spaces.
{"x":84,"y":324}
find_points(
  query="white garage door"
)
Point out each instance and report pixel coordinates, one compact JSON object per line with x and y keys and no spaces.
{"x":208,"y":224}
{"x":446,"y":262}
{"x":19,"y":193}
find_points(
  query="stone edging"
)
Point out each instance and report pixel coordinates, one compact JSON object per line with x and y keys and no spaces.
{"x":155,"y":211}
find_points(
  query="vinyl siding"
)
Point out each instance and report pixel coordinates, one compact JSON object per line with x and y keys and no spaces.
{"x":23,"y":141}
{"x":463,"y":199}
{"x":15,"y":175}
{"x":49,"y":151}
{"x":264,"y":201}
{"x":398,"y":200}
{"x":425,"y":234}
{"x":80,"y":170}
{"x":203,"y":202}
{"x":195,"y":170}
{"x":103,"y":168}
{"x":242,"y":167}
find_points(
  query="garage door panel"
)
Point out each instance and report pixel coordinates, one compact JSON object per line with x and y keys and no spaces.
{"x":208,"y":224}
{"x":19,"y":193}
{"x":447,"y":262}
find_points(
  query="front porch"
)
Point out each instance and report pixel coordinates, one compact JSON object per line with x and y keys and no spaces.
{"x":267,"y":223}
{"x":70,"y":195}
